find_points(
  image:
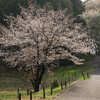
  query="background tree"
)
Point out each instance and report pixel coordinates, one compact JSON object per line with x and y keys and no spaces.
{"x":11,"y":6}
{"x":92,"y":18}
{"x":78,"y":6}
{"x":37,"y":38}
{"x":55,"y":4}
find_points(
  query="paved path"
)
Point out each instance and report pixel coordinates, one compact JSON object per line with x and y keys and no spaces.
{"x":85,"y":90}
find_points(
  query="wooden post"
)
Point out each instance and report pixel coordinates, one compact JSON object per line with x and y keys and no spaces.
{"x":65,"y":84}
{"x":68,"y":78}
{"x":82,"y":73}
{"x":83,"y":76}
{"x":72,"y":78}
{"x":87,"y":74}
{"x":51,"y":90}
{"x":18,"y":92}
{"x":28,"y":92}
{"x":19,"y":96}
{"x":43,"y":92}
{"x":75,"y":76}
{"x":61,"y":85}
{"x":30,"y":95}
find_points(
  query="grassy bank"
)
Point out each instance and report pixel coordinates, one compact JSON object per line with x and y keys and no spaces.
{"x":11,"y":81}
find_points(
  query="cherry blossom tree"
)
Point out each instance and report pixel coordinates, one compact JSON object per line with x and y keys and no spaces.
{"x":37,"y":38}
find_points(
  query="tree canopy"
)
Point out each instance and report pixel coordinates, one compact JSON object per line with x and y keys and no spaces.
{"x":78,"y":7}
{"x":92,"y":18}
{"x":36,"y":38}
{"x":11,"y":6}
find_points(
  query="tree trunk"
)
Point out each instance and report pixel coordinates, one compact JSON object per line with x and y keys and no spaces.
{"x":38,"y":78}
{"x":36,"y":87}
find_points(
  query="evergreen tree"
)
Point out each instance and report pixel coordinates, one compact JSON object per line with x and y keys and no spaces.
{"x":11,"y":6}
{"x":78,"y":7}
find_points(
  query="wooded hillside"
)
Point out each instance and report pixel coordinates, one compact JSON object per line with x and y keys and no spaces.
{"x":11,"y":6}
{"x":92,"y":18}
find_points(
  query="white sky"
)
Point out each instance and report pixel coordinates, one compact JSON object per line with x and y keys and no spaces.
{"x":83,"y":0}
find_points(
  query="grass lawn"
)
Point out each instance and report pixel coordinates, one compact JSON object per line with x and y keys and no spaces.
{"x":11,"y":81}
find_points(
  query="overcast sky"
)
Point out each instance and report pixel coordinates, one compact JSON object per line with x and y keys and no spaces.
{"x":83,"y":0}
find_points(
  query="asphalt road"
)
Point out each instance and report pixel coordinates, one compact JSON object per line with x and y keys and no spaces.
{"x":85,"y":90}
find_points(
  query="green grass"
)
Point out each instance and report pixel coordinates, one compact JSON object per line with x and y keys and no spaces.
{"x":61,"y":73}
{"x":13,"y":94}
{"x":11,"y":81}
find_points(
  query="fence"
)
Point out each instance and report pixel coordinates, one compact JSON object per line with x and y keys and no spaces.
{"x":63,"y":84}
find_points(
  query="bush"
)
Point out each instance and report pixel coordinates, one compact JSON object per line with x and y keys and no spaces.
{"x":55,"y":84}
